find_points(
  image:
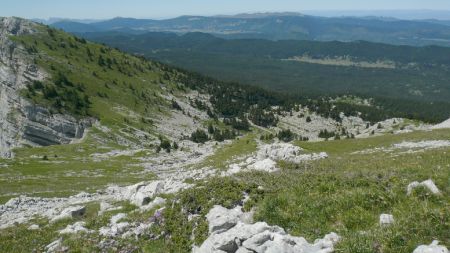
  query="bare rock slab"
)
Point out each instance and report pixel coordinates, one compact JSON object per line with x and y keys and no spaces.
{"x":434,"y":247}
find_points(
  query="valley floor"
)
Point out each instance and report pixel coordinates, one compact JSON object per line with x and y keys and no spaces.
{"x":345,"y":193}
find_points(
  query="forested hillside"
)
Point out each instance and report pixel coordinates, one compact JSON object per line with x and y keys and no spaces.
{"x":408,"y":81}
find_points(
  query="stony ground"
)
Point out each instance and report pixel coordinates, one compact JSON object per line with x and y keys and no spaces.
{"x":268,"y":196}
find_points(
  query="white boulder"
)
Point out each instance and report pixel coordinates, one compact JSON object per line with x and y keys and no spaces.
{"x":386,"y":219}
{"x":429,"y":184}
{"x":434,"y":247}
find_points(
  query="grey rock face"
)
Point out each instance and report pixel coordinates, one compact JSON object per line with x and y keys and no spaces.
{"x":43,"y":128}
{"x":21,"y":122}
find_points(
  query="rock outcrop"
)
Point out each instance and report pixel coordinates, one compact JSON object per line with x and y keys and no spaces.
{"x":22,"y":122}
{"x":287,"y":152}
{"x":268,"y":154}
{"x":23,"y":209}
{"x":229,"y":233}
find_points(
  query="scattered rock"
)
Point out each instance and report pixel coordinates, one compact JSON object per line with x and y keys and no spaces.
{"x":386,"y":219}
{"x":429,"y":184}
{"x":22,"y":209}
{"x":78,"y":227}
{"x":229,"y":234}
{"x":423,"y":144}
{"x":434,"y":247}
{"x":408,"y":147}
{"x":70,"y":212}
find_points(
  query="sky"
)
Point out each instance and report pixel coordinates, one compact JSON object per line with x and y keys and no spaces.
{"x":103,"y":9}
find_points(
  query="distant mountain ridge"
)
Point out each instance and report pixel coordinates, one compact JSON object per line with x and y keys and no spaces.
{"x":262,"y":15}
{"x":283,"y":26}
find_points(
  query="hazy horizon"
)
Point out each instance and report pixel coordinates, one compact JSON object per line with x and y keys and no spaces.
{"x":102,"y":9}
{"x":398,"y":14}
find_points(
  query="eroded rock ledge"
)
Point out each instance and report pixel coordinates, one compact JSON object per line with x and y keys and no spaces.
{"x":22,"y":122}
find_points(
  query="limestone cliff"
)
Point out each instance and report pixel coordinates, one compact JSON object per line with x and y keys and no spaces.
{"x":22,"y":122}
